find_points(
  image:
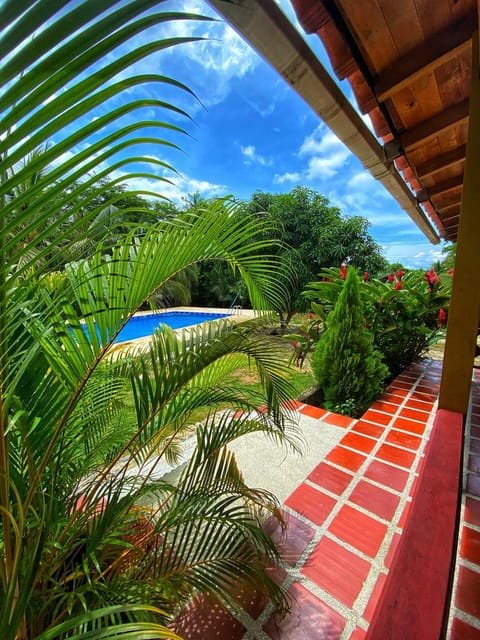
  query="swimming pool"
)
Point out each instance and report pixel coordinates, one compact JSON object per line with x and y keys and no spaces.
{"x":143,"y":325}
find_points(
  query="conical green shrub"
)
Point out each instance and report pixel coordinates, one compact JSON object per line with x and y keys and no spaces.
{"x":349,"y":370}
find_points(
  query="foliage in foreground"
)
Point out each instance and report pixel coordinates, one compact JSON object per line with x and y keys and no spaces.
{"x":349,"y":370}
{"x":95,"y":542}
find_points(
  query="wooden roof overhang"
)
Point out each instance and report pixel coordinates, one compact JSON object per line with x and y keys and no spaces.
{"x":273,"y":36}
{"x":409,"y":66}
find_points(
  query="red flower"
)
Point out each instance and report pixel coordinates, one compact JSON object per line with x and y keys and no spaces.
{"x":295,"y":344}
{"x":431,"y":277}
{"x":343,"y":272}
{"x":365,"y":276}
{"x":310,"y":315}
{"x":398,"y":285}
{"x":442,"y":317}
{"x":391,"y":277}
{"x":400,"y":274}
{"x":451,"y":273}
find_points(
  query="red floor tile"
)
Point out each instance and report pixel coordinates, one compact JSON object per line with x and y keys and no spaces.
{"x":368,"y":429}
{"x":358,"y":634}
{"x":415,"y":414}
{"x":377,"y":417}
{"x":472,"y":511}
{"x":346,"y":458}
{"x":310,"y":618}
{"x":474,"y":463}
{"x":475,"y":431}
{"x":395,"y":455}
{"x":392,"y":549}
{"x":330,"y":478}
{"x":463,"y":631}
{"x":374,"y":598}
{"x":419,"y":404}
{"x":372,"y":498}
{"x":416,"y":478}
{"x":337,"y":420}
{"x":293,"y":404}
{"x":407,"y":376}
{"x":468,"y":588}
{"x":473,"y":484}
{"x":337,"y":570}
{"x":358,"y":442}
{"x":386,"y":407}
{"x":403,"y":518}
{"x":470,"y":546}
{"x":392,"y":398}
{"x":474,"y":445}
{"x":396,"y":391}
{"x":359,"y":530}
{"x":313,"y":504}
{"x":429,"y":389}
{"x":402,"y":439}
{"x":402,"y":384}
{"x":313,"y":412}
{"x":387,"y":475}
{"x":410,"y":425}
{"x":251,"y":600}
{"x":426,"y":397}
{"x":292,"y":540}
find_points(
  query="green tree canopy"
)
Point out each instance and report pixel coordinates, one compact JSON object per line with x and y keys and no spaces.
{"x":313,"y":234}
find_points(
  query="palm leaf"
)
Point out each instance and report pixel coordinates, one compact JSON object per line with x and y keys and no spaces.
{"x":67,"y":515}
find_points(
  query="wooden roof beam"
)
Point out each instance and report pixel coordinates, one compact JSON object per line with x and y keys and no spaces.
{"x":425,"y":58}
{"x":443,"y":161}
{"x":431,"y":128}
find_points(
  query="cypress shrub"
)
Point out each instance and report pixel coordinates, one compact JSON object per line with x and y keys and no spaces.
{"x":349,"y":370}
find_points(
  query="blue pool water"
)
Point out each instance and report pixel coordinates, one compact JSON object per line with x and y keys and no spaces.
{"x":144,"y":325}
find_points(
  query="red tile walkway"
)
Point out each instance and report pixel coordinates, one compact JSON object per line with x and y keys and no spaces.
{"x":465,"y":614}
{"x":346,"y":519}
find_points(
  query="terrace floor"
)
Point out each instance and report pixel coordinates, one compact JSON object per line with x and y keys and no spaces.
{"x":346,"y":518}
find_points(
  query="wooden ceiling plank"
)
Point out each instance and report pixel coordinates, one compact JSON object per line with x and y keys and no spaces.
{"x":373,"y":35}
{"x":403,"y":23}
{"x":449,"y":218}
{"x":453,"y":79}
{"x":441,"y":162}
{"x":432,"y":127}
{"x":448,"y":203}
{"x":456,"y":182}
{"x":425,"y":58}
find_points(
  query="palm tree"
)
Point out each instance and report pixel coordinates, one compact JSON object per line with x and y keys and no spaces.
{"x":95,"y":540}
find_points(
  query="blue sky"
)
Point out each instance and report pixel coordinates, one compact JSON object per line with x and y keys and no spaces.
{"x":250,"y":131}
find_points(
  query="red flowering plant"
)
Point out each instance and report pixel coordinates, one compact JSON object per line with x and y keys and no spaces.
{"x":406,"y":311}
{"x":305,"y":339}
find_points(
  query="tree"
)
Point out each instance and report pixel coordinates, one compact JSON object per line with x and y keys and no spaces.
{"x":348,"y":369}
{"x":311,"y":234}
{"x":83,"y":551}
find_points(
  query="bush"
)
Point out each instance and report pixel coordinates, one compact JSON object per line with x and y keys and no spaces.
{"x":405,"y":314}
{"x":348,"y":369}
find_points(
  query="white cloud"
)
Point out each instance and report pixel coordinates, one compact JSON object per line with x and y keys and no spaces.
{"x":293,"y":176}
{"x":417,"y":255}
{"x":252,"y":157}
{"x":326,"y":166}
{"x":179,"y":188}
{"x":361,"y":179}
{"x":327,"y":154}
